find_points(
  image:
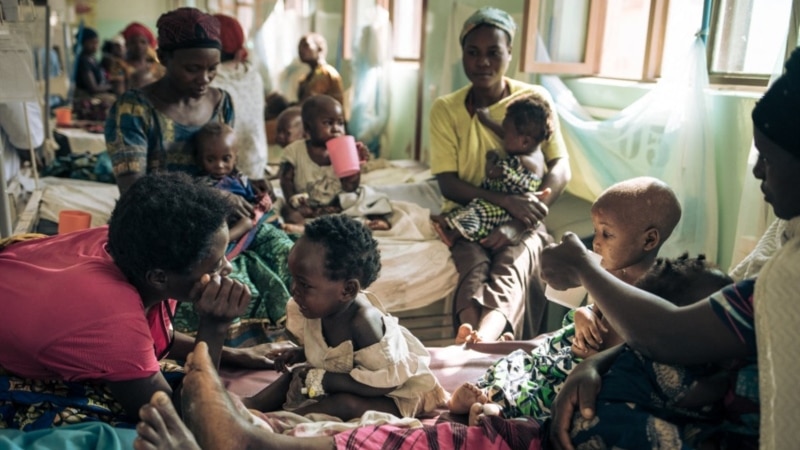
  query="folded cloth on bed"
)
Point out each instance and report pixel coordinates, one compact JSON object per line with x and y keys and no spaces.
{"x":365,"y":201}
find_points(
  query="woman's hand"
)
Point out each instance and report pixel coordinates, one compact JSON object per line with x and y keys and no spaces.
{"x":503,"y":235}
{"x":528,"y":209}
{"x":589,"y":331}
{"x":241,"y":206}
{"x":284,"y":358}
{"x":220,"y":299}
{"x":579,"y":392}
{"x":562,"y":263}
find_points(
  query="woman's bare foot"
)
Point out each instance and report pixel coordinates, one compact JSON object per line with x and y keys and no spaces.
{"x":479,"y":410}
{"x":464,"y":397}
{"x":161,"y":428}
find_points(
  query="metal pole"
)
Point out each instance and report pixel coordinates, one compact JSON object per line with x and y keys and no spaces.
{"x":47,"y":50}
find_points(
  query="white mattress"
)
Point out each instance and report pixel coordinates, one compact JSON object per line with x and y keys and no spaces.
{"x":417,"y":268}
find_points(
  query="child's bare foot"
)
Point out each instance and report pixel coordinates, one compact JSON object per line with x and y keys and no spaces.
{"x":378,"y":224}
{"x":507,"y":336}
{"x":464,"y":333}
{"x":480,"y":410}
{"x":464,"y":397}
{"x":161,"y":428}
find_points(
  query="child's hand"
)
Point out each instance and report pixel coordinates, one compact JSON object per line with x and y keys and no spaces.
{"x":493,"y":171}
{"x":589,"y":330}
{"x":363,"y":152}
{"x":284,"y":358}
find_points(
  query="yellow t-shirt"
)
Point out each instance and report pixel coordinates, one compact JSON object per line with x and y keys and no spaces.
{"x":459,"y":142}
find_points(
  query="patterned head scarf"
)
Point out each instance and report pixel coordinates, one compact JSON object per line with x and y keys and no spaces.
{"x":187,"y":28}
{"x":232,"y":38}
{"x":135,"y":29}
{"x":489,"y":16}
{"x":777,"y":114}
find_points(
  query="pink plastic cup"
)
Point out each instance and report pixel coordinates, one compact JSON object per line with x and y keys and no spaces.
{"x":344,"y":156}
{"x":72,"y":220}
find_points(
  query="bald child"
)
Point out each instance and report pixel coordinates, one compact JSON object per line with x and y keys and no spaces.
{"x":632,"y":219}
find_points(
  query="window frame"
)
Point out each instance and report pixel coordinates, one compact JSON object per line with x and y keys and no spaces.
{"x":727,"y":78}
{"x":654,"y":47}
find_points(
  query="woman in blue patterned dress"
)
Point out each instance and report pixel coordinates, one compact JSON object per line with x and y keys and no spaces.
{"x":148,"y":129}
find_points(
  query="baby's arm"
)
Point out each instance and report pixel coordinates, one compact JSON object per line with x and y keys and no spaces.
{"x":486,"y":120}
{"x":291,"y":213}
{"x":706,"y":391}
{"x":351,"y":183}
{"x":240,"y":228}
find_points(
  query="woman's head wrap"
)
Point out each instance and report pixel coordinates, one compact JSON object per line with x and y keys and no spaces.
{"x":777,"y":113}
{"x":232,"y":38}
{"x":187,"y":28}
{"x":135,"y":29}
{"x":489,"y":16}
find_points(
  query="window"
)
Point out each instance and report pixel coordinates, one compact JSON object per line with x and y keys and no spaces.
{"x":634,"y":39}
{"x":406,"y":19}
{"x":743,"y":31}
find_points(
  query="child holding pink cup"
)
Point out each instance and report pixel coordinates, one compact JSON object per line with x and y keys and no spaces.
{"x":316,"y":170}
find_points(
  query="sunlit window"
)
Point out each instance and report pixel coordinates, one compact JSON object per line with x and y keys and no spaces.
{"x":636,"y":39}
{"x":746,"y":34}
{"x":407,"y":22}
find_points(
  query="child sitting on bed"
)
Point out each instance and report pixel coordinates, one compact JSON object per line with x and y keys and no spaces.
{"x":309,"y":184}
{"x":526,"y":383}
{"x":359,"y":358}
{"x":528,"y":123}
{"x":215,"y":150}
{"x":631,"y":219}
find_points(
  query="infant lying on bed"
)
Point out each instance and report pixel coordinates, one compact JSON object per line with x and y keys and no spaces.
{"x":359,"y":358}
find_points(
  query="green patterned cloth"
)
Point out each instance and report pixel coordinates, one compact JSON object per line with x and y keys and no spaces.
{"x":525,"y":384}
{"x":263,"y":267}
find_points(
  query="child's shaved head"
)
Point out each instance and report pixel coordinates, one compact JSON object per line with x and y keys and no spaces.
{"x":644,"y":201}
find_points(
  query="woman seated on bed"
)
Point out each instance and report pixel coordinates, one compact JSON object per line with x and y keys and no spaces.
{"x":498,"y":275}
{"x":148,"y":130}
{"x":87,"y":315}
